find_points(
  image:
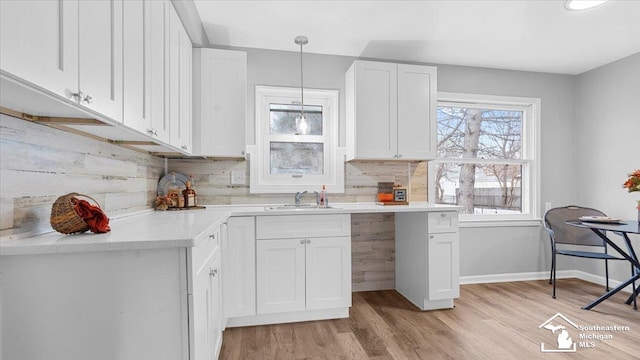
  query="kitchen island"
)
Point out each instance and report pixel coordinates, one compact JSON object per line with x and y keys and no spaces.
{"x":164,"y":285}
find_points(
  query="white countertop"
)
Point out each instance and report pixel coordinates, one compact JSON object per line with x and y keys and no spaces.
{"x":169,"y":229}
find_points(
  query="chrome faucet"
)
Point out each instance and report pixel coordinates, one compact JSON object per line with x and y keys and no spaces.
{"x":299,"y":196}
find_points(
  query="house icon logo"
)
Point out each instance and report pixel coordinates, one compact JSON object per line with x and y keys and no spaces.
{"x":557,"y":325}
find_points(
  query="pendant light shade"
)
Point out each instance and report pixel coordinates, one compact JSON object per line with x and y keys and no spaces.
{"x":582,"y":4}
{"x":302,"y":126}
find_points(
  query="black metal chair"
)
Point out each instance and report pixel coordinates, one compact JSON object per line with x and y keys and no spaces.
{"x":563,"y":234}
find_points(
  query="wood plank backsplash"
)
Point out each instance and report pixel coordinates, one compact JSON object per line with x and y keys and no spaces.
{"x":39,"y":163}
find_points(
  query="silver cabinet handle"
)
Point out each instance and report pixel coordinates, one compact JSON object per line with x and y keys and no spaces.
{"x":430,"y":236}
{"x":152,"y":132}
{"x":213,"y":272}
{"x":78,"y":95}
{"x":302,"y":241}
{"x":88,"y":99}
{"x":212,"y":236}
{"x":443,"y":215}
{"x":308,"y":241}
{"x":399,"y":155}
{"x":183,"y":147}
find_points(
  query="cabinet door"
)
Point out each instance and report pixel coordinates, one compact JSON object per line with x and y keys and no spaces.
{"x":376,"y":110}
{"x":156,"y":69}
{"x":200,"y":316}
{"x":280,"y":266}
{"x":416,"y":112}
{"x":444,"y":266}
{"x":328,"y":267}
{"x":39,"y":43}
{"x":219,"y":102}
{"x":205,"y":315}
{"x":134,"y":53}
{"x":239,"y":267}
{"x":215,"y":324}
{"x":100,"y":56}
{"x":179,"y":84}
{"x":186,"y":88}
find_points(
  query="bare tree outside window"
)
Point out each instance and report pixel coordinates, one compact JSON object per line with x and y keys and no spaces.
{"x":479,"y":159}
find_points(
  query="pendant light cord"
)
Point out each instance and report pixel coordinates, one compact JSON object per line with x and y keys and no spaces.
{"x":301,"y":82}
{"x":301,"y":40}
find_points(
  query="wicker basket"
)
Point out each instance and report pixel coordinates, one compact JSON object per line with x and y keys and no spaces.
{"x":64,"y":218}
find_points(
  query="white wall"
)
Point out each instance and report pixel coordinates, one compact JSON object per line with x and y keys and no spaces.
{"x":607,"y":128}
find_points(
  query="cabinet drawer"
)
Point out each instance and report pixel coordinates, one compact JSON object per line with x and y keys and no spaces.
{"x":296,"y":226}
{"x":205,"y":246}
{"x":442,"y":222}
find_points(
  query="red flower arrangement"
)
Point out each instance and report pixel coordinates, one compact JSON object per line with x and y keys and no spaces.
{"x":633,"y":182}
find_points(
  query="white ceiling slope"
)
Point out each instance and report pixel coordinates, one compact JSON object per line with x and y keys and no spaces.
{"x":531,"y":35}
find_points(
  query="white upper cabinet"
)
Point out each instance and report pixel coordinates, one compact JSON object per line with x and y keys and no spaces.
{"x":135,"y":88}
{"x":156,"y":73}
{"x":417,"y":103}
{"x":146,"y":46}
{"x":124,"y":62}
{"x":100,"y":57}
{"x":372,"y":110}
{"x":219,"y":102}
{"x":35,"y":43}
{"x":391,"y":111}
{"x":72,"y":49}
{"x":180,"y":53}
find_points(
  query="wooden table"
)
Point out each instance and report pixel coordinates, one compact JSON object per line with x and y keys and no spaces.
{"x":623,"y":229}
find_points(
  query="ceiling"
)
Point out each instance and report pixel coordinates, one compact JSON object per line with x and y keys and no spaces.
{"x":531,"y":35}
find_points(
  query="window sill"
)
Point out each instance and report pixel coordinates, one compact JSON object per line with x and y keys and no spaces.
{"x":481,"y":223}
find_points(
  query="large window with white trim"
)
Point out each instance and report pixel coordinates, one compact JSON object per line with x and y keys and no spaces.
{"x":487,"y":158}
{"x":293,"y":155}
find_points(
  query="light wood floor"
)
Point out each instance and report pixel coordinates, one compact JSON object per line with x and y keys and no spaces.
{"x":490,"y":321}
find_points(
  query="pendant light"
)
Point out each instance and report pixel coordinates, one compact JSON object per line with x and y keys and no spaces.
{"x":302,"y":126}
{"x":582,"y":4}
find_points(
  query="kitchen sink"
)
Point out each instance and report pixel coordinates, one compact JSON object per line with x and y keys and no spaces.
{"x":296,"y":207}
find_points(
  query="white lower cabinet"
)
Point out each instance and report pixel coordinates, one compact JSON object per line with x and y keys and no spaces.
{"x":239,"y":262}
{"x":301,"y":273}
{"x":281,"y":275}
{"x":205,"y":303}
{"x":427,"y":258}
{"x":443,"y":249}
{"x":100,"y":305}
{"x":103,"y":305}
{"x":207,"y":313}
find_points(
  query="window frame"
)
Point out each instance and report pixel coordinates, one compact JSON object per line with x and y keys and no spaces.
{"x":261,"y":179}
{"x":529,"y":159}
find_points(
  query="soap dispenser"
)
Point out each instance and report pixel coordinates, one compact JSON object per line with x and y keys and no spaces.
{"x":323,"y":197}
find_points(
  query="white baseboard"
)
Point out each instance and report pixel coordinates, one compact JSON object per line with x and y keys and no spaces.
{"x":542,"y":275}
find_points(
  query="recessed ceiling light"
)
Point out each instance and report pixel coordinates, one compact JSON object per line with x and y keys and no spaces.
{"x":582,"y":4}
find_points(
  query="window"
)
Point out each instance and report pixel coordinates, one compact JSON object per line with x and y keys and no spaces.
{"x":291,"y":156}
{"x":487,"y":158}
